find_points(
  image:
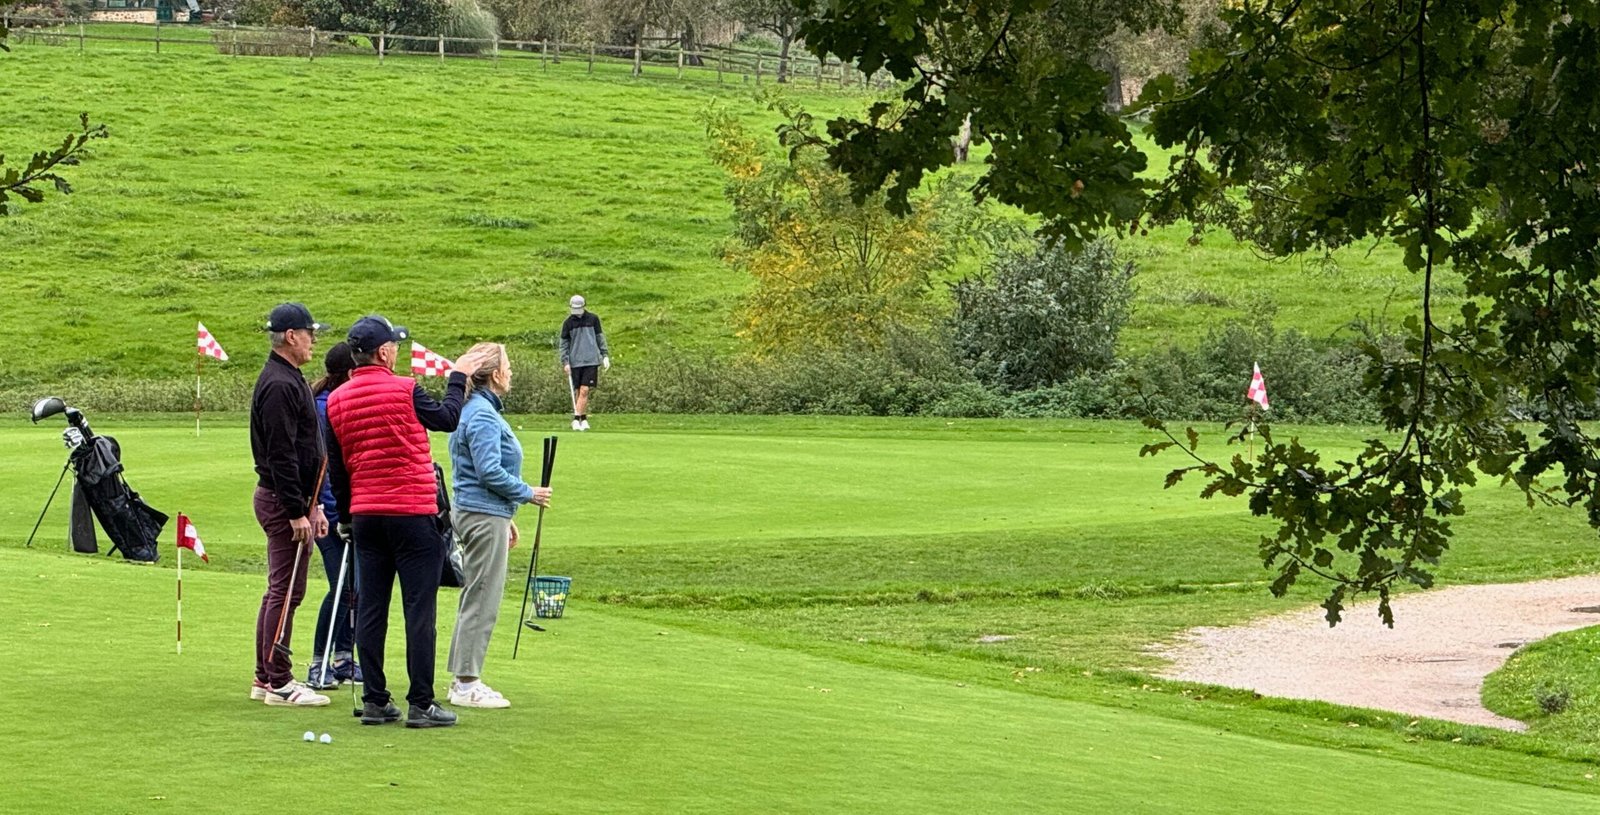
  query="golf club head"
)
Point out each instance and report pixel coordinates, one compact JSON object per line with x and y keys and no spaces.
{"x":47,"y":407}
{"x":281,"y":650}
{"x":533,"y":625}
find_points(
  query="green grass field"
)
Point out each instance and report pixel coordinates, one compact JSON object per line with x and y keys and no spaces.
{"x":465,"y":198}
{"x":768,"y":614}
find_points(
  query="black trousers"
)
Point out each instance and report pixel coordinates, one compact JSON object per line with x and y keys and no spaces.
{"x":411,"y":547}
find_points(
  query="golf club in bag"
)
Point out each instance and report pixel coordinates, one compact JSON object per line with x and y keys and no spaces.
{"x":96,"y":461}
{"x":538,"y":530}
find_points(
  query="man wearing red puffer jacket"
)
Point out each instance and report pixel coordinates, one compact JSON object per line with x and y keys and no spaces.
{"x":382,"y":475}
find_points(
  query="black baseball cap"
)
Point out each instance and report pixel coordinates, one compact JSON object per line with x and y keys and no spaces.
{"x":289,"y":316}
{"x":373,"y":331}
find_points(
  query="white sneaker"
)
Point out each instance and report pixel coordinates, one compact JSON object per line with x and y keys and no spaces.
{"x":577,"y":425}
{"x":584,"y":425}
{"x":258,"y":690}
{"x":294,"y":694}
{"x":476,"y":695}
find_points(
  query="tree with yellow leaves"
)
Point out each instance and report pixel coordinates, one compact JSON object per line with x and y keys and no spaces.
{"x":828,"y":271}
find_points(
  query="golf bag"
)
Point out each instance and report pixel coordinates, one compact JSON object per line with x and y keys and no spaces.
{"x":450,"y":575}
{"x":131,"y":524}
{"x":100,"y":491}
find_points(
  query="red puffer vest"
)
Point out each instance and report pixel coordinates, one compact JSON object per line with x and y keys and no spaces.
{"x":385,"y":447}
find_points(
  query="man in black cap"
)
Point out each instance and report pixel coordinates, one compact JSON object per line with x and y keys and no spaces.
{"x":381,"y":469}
{"x":286,"y":441}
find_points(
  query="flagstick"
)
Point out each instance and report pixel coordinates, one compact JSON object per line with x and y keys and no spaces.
{"x":180,"y":599}
{"x":199,"y":360}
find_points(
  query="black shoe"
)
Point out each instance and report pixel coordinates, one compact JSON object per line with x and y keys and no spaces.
{"x":374,"y":713}
{"x":430,"y":716}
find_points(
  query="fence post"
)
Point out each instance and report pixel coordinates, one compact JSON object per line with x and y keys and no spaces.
{"x":311,"y":48}
{"x":80,"y":35}
{"x":555,"y":58}
{"x":233,"y":38}
{"x":638,"y":56}
{"x":382,"y":43}
{"x":544,"y":54}
{"x":680,"y":59}
{"x":719,"y":67}
{"x":497,"y":48}
{"x":819,"y":73}
{"x":844,"y":73}
{"x":758,"y":69}
{"x":441,"y":48}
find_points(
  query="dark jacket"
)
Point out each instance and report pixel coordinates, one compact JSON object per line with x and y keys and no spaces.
{"x":285,"y":436}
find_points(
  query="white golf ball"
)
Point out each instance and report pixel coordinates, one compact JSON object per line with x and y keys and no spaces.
{"x":310,"y":736}
{"x":327,"y":739}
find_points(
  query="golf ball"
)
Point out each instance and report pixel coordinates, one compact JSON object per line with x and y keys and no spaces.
{"x":327,"y":739}
{"x":310,"y":736}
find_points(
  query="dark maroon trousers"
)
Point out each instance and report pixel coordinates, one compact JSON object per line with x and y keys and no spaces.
{"x":282,"y":552}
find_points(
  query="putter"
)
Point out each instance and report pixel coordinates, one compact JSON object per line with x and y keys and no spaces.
{"x":538,"y":530}
{"x":572,"y":391}
{"x":338,"y":592}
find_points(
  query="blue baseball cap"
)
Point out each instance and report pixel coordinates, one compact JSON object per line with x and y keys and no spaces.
{"x":373,"y":332}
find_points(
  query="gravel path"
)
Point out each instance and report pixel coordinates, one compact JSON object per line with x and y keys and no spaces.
{"x":1432,"y":663}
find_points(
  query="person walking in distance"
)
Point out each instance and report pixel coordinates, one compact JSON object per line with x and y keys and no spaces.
{"x":286,"y":443}
{"x":383,"y":485}
{"x":487,"y":461}
{"x":583,"y":354}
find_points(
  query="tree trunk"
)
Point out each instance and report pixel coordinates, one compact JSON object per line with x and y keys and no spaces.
{"x":785,"y":38}
{"x":964,"y":139}
{"x":1113,"y":68}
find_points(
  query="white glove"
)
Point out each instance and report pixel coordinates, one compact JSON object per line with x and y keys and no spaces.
{"x":72,"y":437}
{"x":605,"y":362}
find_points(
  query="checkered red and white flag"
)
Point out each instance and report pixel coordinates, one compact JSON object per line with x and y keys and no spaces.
{"x":1258,"y":389}
{"x":189,"y":539}
{"x":427,"y":363}
{"x":208,"y":344}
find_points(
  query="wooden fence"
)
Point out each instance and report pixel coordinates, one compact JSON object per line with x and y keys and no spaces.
{"x":640,"y":59}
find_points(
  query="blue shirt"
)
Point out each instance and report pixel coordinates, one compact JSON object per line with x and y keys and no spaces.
{"x":487,"y":459}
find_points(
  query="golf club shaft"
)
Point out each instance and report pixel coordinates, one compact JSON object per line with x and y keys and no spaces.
{"x":48,"y":501}
{"x":283,"y":614}
{"x":338,"y":592}
{"x":528,"y":584}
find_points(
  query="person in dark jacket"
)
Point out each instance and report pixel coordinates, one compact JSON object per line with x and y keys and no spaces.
{"x":583,"y":354}
{"x":287,"y":445}
{"x":341,"y":664}
{"x":383,"y":484}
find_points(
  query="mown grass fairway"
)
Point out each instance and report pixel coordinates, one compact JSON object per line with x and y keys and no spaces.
{"x":769,"y":614}
{"x":465,"y":198}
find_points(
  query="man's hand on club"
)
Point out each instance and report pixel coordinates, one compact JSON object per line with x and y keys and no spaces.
{"x":541,"y":496}
{"x":568,"y":369}
{"x":300,"y":529}
{"x":345,"y":532}
{"x":319,"y":522}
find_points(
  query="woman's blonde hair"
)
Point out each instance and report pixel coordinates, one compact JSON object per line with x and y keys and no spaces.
{"x":495,"y":353}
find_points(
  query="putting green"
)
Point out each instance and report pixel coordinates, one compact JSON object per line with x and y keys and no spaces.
{"x":612,"y":714}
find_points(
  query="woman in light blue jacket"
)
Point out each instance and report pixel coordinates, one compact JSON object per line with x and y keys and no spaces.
{"x":487,"y":460}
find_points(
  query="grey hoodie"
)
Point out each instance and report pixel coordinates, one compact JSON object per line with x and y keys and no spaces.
{"x":583,"y":343}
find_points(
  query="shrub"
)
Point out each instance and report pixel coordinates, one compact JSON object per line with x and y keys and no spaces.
{"x":1042,"y":314}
